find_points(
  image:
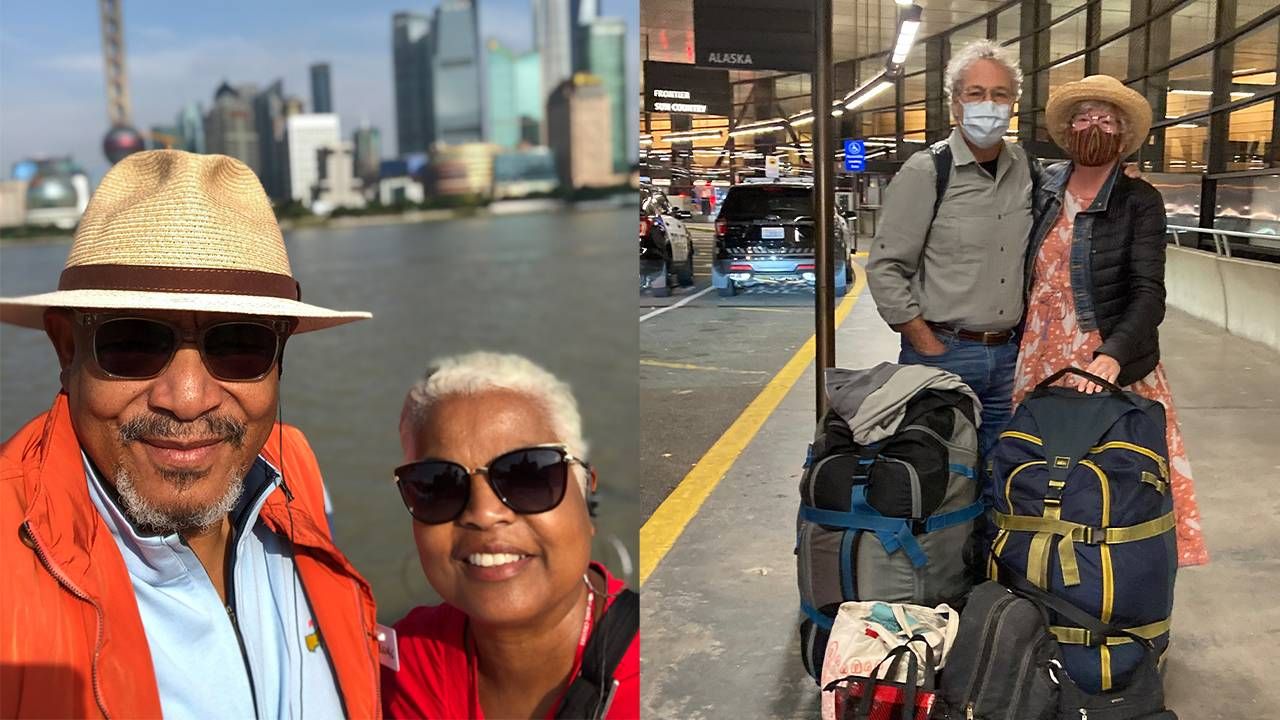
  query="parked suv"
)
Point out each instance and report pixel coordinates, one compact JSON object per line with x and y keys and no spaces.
{"x":665,"y":249}
{"x":764,"y":235}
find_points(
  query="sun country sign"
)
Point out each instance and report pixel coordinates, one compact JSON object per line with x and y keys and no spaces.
{"x":681,"y":88}
{"x":754,"y":34}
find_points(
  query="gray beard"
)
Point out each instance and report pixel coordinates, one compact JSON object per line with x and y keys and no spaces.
{"x":148,"y":517}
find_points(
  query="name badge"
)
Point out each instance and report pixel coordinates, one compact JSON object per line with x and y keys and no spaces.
{"x":388,"y":650}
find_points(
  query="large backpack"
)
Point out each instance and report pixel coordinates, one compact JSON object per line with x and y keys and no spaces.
{"x":1082,"y":508}
{"x":887,"y":497}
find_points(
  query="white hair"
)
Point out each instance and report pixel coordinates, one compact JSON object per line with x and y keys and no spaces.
{"x":477,"y":372}
{"x":982,"y":50}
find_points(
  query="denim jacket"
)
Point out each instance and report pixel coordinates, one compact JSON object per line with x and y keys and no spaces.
{"x":1116,"y":264}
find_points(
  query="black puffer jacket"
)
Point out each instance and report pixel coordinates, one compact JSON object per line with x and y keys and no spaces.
{"x":1117,"y":264}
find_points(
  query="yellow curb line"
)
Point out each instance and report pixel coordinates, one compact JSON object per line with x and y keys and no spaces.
{"x":660,"y":532}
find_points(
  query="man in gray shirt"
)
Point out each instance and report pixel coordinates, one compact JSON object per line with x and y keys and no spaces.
{"x":952,"y":285}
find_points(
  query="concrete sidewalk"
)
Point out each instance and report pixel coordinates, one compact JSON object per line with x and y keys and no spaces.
{"x":720,"y":613}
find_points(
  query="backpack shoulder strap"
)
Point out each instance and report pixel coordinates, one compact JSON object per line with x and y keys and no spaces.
{"x":589,"y":695}
{"x":941,"y":153}
{"x":1035,"y":167}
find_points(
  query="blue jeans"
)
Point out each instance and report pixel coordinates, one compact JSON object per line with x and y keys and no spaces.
{"x":987,"y":369}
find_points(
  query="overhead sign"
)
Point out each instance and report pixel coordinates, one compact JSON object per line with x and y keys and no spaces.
{"x":855,"y":156}
{"x":682,"y":88}
{"x":754,"y":34}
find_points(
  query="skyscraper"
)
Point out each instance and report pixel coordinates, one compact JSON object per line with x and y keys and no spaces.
{"x":305,"y":135}
{"x":578,"y":125}
{"x":321,"y":92}
{"x":503,"y":115}
{"x":455,"y":73}
{"x":531,"y":100}
{"x":411,"y":56}
{"x":229,"y":126}
{"x":556,"y":38}
{"x":368,"y":154}
{"x":269,"y":121}
{"x":607,"y":60}
{"x":190,"y":124}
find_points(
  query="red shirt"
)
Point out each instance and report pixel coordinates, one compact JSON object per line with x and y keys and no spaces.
{"x":437,"y":680}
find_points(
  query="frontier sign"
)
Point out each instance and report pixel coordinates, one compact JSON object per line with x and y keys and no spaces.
{"x":754,"y":34}
{"x":682,"y":88}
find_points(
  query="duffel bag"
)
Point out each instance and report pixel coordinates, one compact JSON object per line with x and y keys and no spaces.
{"x":1082,"y":509}
{"x":888,"y":496}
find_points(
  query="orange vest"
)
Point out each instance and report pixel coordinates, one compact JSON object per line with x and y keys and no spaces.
{"x":73,"y":642}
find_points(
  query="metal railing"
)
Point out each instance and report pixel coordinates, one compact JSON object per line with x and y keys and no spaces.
{"x":1221,"y":245}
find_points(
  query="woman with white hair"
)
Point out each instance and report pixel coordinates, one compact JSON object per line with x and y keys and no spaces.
{"x":530,"y":627}
{"x":1095,"y":269}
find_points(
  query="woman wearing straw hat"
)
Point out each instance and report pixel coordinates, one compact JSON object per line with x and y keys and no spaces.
{"x":1096,"y":269}
{"x":501,"y":504}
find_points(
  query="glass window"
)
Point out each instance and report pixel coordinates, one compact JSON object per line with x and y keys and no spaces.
{"x":1066,"y":72}
{"x":1247,"y":10}
{"x":1113,"y":58}
{"x":1249,"y":137}
{"x":1008,"y":24}
{"x":1254,"y":58}
{"x":1065,"y":38}
{"x":1192,"y":27}
{"x":1186,"y":147}
{"x":915,"y":90}
{"x":1115,"y":16}
{"x":1189,"y":86}
{"x":913,"y":119}
{"x":1250,"y":204}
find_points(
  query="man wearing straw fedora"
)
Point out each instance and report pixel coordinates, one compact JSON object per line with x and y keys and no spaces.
{"x":164,"y":539}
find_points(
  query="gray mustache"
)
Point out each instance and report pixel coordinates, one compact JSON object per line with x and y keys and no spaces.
{"x":228,"y":429}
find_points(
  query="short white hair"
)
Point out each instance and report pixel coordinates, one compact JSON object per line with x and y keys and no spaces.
{"x":982,"y":50}
{"x":478,"y":372}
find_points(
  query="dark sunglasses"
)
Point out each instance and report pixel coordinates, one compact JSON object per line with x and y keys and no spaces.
{"x":136,"y":348}
{"x":528,"y":480}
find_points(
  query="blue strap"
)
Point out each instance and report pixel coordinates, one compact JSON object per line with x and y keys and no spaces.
{"x":895,"y":532}
{"x":847,"y":564}
{"x":955,"y":517}
{"x":852,"y":520}
{"x":818,"y":618}
{"x":964,"y":470}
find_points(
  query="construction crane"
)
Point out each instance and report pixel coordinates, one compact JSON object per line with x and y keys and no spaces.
{"x":122,"y":139}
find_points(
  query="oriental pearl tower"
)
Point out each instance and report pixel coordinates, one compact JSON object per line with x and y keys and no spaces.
{"x":121,"y":139}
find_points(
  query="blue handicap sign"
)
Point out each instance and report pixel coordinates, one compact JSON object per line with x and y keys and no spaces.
{"x":854,"y":148}
{"x":855,"y":164}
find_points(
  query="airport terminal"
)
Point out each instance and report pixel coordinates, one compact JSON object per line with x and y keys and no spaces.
{"x":752,"y":283}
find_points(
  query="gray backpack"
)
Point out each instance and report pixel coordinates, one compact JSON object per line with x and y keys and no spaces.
{"x":888,"y":496}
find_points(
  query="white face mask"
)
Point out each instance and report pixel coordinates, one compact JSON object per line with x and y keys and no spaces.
{"x":985,"y":122}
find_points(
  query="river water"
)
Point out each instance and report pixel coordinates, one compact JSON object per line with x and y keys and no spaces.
{"x":556,"y":287}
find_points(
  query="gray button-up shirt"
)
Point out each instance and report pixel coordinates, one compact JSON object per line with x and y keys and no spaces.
{"x":967,"y":269}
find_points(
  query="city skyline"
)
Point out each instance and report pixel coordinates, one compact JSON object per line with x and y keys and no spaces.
{"x":52,"y":100}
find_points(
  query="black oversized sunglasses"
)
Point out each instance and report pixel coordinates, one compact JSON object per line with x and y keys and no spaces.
{"x":528,"y":480}
{"x":137,"y":348}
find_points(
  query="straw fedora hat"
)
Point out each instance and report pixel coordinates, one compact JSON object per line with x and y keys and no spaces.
{"x":171,"y":230}
{"x":1130,"y":103}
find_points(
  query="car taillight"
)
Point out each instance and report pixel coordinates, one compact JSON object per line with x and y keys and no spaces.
{"x":644,"y":226}
{"x":804,"y":266}
{"x":740,"y":268}
{"x":722,"y":228}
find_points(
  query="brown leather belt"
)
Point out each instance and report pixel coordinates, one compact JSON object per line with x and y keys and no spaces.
{"x":986,"y":338}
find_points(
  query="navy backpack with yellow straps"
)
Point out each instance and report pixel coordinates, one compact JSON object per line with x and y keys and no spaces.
{"x":1081,"y":506}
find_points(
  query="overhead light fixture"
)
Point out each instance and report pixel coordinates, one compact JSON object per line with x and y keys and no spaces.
{"x":907,"y":29}
{"x":866,"y":92}
{"x":691,"y":135}
{"x":771,"y":125}
{"x":1204,"y":93}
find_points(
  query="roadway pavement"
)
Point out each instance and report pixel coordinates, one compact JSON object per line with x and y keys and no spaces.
{"x":719,"y":606}
{"x":703,"y":358}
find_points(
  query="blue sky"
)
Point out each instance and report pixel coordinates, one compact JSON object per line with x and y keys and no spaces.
{"x":52,"y":100}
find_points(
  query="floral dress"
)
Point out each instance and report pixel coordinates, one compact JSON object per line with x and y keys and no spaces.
{"x":1052,"y":340}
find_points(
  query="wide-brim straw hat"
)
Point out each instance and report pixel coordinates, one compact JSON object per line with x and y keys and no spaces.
{"x":171,"y":230}
{"x":1104,"y":88}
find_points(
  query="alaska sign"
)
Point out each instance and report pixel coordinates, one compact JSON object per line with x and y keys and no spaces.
{"x":754,"y":34}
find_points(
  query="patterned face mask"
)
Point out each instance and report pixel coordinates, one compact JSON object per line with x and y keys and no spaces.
{"x":1093,"y":146}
